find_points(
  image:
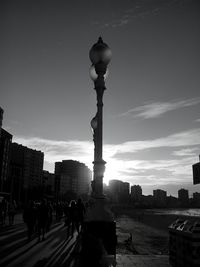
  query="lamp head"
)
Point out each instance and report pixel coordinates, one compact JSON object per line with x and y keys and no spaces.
{"x":100,"y":53}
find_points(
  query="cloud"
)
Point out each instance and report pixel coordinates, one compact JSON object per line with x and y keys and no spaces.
{"x":176,"y":169}
{"x":157,"y":109}
{"x":172,"y":170}
{"x":141,"y":9}
{"x":59,"y":150}
{"x":186,"y":152}
{"x":186,"y":138}
{"x":153,"y":172}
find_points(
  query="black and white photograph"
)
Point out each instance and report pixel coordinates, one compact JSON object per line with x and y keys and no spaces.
{"x":100,"y":133}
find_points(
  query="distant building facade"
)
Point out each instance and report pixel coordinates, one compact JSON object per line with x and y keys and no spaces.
{"x":172,"y":202}
{"x":196,"y":172}
{"x":26,"y":172}
{"x":125,"y":192}
{"x":196,"y":199}
{"x":125,"y":188}
{"x":160,"y":198}
{"x":183,"y":197}
{"x":119,"y":191}
{"x":147,"y":201}
{"x":5,"y":148}
{"x":48,"y":184}
{"x":72,"y":177}
{"x":115,"y":189}
{"x":136,"y":193}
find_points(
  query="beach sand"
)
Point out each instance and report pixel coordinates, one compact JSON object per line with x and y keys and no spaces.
{"x":149,"y":231}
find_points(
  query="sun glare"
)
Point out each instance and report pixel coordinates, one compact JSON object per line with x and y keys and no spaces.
{"x":111,"y":172}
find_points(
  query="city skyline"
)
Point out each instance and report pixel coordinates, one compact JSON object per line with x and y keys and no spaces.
{"x":152,"y":101}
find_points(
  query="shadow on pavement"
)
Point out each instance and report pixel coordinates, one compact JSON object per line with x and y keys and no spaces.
{"x":6,"y":262}
{"x":58,"y":255}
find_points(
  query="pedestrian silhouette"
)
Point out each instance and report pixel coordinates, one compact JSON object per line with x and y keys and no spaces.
{"x":29,"y":217}
{"x":42,"y":219}
{"x":72,"y":217}
{"x":59,"y":211}
{"x":66,"y":213}
{"x":80,"y":215}
{"x":50,"y":215}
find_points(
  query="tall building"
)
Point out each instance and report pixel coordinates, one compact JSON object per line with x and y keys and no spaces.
{"x":196,"y":172}
{"x":5,"y":146}
{"x":183,"y":197}
{"x":160,"y":198}
{"x":115,"y":189}
{"x":119,"y":191}
{"x":136,"y":193}
{"x":26,"y":172}
{"x":72,"y":177}
{"x":124,"y":191}
{"x":196,"y":199}
{"x":48,"y":184}
{"x":125,"y":188}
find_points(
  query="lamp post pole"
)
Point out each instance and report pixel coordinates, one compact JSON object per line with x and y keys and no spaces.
{"x":99,"y":224}
{"x":99,"y":163}
{"x":100,"y":55}
{"x":1,"y":119}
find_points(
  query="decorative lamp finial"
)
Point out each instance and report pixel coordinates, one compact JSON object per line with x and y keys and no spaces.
{"x":100,"y":41}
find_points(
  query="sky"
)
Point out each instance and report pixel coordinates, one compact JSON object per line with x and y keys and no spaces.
{"x":151,"y":123}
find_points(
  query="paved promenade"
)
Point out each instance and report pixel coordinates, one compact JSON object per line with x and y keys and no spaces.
{"x":57,"y":250}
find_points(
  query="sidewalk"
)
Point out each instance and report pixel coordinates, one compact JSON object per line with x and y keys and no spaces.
{"x":56,"y":250}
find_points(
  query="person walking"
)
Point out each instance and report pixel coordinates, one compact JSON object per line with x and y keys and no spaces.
{"x":80,"y":215}
{"x":50,"y":215}
{"x":72,"y":217}
{"x":59,"y":211}
{"x":42,"y":219}
{"x":66,"y":213}
{"x":29,"y":217}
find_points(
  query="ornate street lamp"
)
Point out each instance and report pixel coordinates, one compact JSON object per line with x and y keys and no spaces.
{"x":99,"y":224}
{"x":100,"y":56}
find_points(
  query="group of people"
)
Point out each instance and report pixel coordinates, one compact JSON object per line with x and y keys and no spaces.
{"x":38,"y":217}
{"x":74,"y":214}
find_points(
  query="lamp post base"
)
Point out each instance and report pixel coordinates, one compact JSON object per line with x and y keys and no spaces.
{"x":99,"y":233}
{"x":98,"y":210}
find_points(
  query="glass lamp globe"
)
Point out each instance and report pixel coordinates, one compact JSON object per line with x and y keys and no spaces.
{"x":94,"y":123}
{"x":100,"y":52}
{"x":93,"y":74}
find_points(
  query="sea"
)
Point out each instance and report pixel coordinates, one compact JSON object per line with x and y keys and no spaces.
{"x":185,"y":212}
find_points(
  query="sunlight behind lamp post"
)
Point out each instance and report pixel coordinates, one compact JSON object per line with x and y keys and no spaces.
{"x":100,"y":56}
